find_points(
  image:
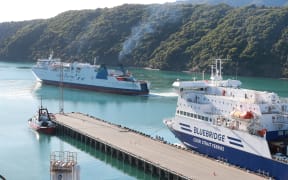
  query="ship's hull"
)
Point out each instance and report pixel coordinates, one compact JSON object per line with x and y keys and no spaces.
{"x":99,"y":88}
{"x":42,"y":129}
{"x":109,"y":85}
{"x":243,"y":159}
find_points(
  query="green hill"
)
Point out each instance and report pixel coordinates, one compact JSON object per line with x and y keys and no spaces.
{"x":173,"y":36}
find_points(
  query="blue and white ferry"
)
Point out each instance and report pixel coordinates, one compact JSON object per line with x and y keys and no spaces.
{"x":88,"y":76}
{"x":244,"y":127}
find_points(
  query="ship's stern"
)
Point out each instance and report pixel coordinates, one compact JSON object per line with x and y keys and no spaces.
{"x":145,"y":86}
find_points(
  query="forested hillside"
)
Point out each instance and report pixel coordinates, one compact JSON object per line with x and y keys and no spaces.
{"x":275,"y":3}
{"x":173,"y":36}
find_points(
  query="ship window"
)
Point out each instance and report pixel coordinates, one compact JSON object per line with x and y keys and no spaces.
{"x":177,"y":111}
{"x":181,"y":112}
{"x":184,"y":113}
{"x":206,"y":118}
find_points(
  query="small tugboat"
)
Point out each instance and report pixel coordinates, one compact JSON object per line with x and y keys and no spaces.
{"x":42,"y":121}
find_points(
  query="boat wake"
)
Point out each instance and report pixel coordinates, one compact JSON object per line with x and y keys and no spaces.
{"x":15,"y":89}
{"x":163,"y":94}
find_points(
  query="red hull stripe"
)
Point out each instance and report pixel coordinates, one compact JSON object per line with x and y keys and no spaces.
{"x":46,"y":130}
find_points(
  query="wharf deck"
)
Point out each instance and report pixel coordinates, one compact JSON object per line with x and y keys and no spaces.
{"x":184,"y":162}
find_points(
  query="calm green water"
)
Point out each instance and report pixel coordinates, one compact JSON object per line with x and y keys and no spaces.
{"x":25,"y":154}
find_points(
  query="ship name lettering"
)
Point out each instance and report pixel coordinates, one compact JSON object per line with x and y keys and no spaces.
{"x":209,"y":134}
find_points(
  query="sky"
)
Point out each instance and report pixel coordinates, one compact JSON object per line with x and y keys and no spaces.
{"x":19,"y":10}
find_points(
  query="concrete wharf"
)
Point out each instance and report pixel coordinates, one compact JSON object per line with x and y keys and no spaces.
{"x":156,"y":157}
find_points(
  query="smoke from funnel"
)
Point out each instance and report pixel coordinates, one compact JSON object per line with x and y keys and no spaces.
{"x":159,"y":16}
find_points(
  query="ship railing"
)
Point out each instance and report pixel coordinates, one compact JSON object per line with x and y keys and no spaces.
{"x":273,"y":108}
{"x":64,"y":161}
{"x":284,"y":100}
{"x":230,"y":122}
{"x":219,"y":120}
{"x":168,"y":121}
{"x":263,"y":172}
{"x":281,"y":120}
{"x":195,"y":101}
{"x":281,"y":158}
{"x":40,"y":65}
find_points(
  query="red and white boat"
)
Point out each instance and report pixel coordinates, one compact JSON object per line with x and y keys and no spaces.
{"x":42,"y":121}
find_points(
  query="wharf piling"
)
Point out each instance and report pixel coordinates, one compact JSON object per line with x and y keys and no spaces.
{"x":154,"y":157}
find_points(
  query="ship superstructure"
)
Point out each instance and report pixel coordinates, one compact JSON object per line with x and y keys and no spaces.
{"x":244,"y":127}
{"x":88,"y":76}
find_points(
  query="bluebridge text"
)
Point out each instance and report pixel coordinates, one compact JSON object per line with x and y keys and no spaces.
{"x":209,"y":134}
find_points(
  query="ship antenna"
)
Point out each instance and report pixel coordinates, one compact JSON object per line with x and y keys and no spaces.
{"x":41,"y":102}
{"x":212,"y":72}
{"x":203,"y":75}
{"x":218,"y":67}
{"x":61,"y":103}
{"x":51,"y":55}
{"x":95,"y":60}
{"x":236,"y":70}
{"x":194,"y":77}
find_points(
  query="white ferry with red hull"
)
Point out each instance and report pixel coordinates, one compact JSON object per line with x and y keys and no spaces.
{"x":90,"y":77}
{"x":244,"y":127}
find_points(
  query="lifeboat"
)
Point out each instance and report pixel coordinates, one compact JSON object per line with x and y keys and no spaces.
{"x":262,"y":132}
{"x":120,"y":78}
{"x":242,"y":115}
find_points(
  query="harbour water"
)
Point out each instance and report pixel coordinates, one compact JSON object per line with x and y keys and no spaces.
{"x":25,"y":154}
